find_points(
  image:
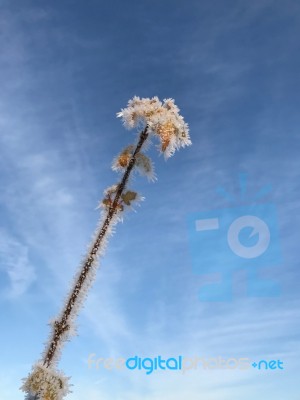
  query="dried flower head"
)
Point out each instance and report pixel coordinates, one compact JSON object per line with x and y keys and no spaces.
{"x":163,"y":120}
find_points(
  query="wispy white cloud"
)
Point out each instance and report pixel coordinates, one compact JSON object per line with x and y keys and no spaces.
{"x":15,"y":263}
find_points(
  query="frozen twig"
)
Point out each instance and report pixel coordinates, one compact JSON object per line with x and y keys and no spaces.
{"x":154,"y":118}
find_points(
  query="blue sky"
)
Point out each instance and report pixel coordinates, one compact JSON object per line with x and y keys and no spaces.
{"x":66,"y":69}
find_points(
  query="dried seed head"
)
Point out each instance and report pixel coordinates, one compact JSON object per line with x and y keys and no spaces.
{"x":163,"y":120}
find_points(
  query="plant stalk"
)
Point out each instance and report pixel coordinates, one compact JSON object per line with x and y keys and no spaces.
{"x":63,"y":325}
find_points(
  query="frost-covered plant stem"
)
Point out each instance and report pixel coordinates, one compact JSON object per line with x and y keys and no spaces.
{"x":62,"y":325}
{"x":154,"y":118}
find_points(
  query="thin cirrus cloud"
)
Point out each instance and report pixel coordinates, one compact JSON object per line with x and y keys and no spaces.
{"x":16,"y":265}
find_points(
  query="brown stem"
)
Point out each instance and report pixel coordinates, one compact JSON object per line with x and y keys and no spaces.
{"x":61,"y":326}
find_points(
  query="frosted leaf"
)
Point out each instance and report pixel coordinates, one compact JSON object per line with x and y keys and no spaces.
{"x":122,"y":160}
{"x":145,"y":166}
{"x":142,"y":163}
{"x":128,"y":197}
